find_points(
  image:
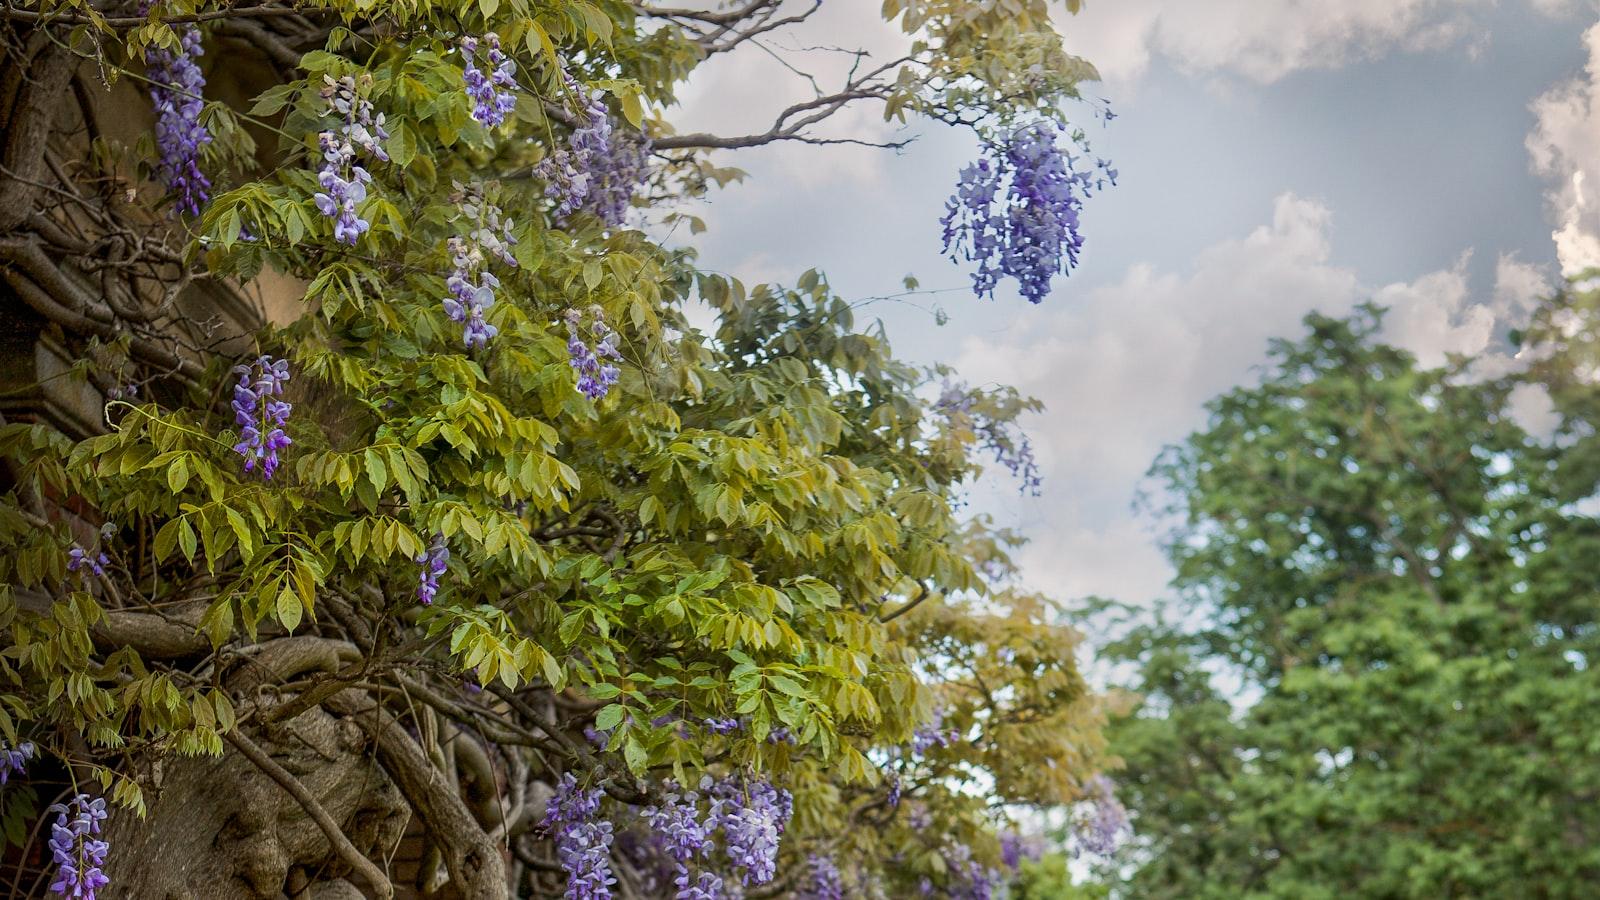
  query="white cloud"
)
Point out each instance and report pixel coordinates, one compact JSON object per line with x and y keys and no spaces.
{"x":1557,"y":9}
{"x":1435,"y":316}
{"x":1125,"y":369}
{"x":1264,"y":41}
{"x":1565,"y":147}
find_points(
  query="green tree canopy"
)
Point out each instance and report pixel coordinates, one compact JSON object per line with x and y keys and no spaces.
{"x":1377,"y":678}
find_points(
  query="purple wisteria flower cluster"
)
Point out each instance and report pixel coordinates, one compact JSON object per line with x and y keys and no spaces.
{"x":1101,"y":830}
{"x":14,"y":759}
{"x":78,"y":558}
{"x":824,"y":881}
{"x":1015,"y":847}
{"x":968,"y":878}
{"x":599,"y":170}
{"x":493,"y":94}
{"x":920,"y":818}
{"x":681,"y":833}
{"x":175,"y":87}
{"x":932,"y":734}
{"x":583,"y":840}
{"x":1033,"y":234}
{"x":615,"y":177}
{"x":753,"y":817}
{"x":344,"y":182}
{"x":587,"y":356}
{"x":1007,"y":443}
{"x":723,"y":726}
{"x":78,"y":857}
{"x":471,"y":285}
{"x":260,"y":415}
{"x":779,"y":734}
{"x":433,"y":561}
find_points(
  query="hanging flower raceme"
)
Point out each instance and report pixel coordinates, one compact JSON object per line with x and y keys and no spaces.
{"x":1015,"y":847}
{"x":587,"y":355}
{"x":684,"y":836}
{"x":824,"y":881}
{"x":1034,"y":233}
{"x":77,"y":855}
{"x":260,"y":415}
{"x":488,"y":236}
{"x":175,"y":87}
{"x":968,"y":878}
{"x":582,"y":838}
{"x":492,"y":94}
{"x":615,"y":177}
{"x":469,"y":300}
{"x":932,"y":734}
{"x":1100,"y":831}
{"x":599,"y":170}
{"x":14,"y":759}
{"x":344,"y":181}
{"x":1005,"y":441}
{"x":78,"y":558}
{"x":433,"y":561}
{"x":753,"y":818}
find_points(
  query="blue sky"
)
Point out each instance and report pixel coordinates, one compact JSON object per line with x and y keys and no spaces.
{"x":1276,"y":158}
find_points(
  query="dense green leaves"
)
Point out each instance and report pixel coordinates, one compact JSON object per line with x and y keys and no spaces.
{"x":1377,"y":678}
{"x":756,"y":522}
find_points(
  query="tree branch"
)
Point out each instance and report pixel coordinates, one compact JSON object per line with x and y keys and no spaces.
{"x":472,"y":858}
{"x":248,"y":12}
{"x":911,"y":604}
{"x":336,"y":836}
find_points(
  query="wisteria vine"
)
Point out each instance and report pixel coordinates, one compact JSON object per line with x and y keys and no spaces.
{"x":1004,"y":440}
{"x":1101,"y":829}
{"x":753,"y":816}
{"x":14,"y":759}
{"x":470,"y":283}
{"x":599,"y":169}
{"x":176,"y":84}
{"x":1029,"y":232}
{"x":76,"y":853}
{"x":343,"y":180}
{"x":684,"y":836}
{"x":260,"y":415}
{"x":932,"y":734}
{"x":582,"y":838}
{"x":433,"y":562}
{"x":588,"y":354}
{"x":823,"y":879}
{"x":492,"y":93}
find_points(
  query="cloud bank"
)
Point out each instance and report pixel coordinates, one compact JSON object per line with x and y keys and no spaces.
{"x":1265,"y":41}
{"x":1126,"y":368}
{"x":1564,"y":147}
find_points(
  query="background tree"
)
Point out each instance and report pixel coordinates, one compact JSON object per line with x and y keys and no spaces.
{"x":480,"y":552}
{"x":1386,"y":692}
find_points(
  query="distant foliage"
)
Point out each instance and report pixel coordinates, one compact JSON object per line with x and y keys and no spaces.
{"x":1383,"y":650}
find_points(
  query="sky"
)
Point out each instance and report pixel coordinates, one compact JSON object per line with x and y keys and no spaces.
{"x":1440,"y":157}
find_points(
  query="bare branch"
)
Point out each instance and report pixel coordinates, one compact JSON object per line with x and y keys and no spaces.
{"x":728,"y":17}
{"x":792,"y":122}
